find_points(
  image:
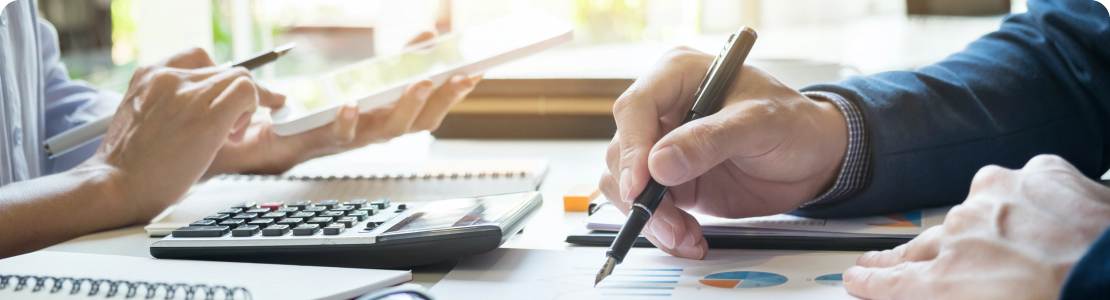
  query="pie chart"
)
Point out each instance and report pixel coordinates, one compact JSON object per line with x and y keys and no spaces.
{"x":834,"y":280}
{"x":743,"y":280}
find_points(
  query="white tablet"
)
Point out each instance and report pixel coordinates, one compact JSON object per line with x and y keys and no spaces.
{"x":382,"y":80}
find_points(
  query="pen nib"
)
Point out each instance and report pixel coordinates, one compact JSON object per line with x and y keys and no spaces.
{"x":605,"y":270}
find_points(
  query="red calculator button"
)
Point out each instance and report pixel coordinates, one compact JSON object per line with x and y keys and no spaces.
{"x":272,"y":206}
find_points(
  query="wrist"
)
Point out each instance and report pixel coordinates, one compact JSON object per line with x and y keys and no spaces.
{"x":106,"y":194}
{"x":847,"y":145}
{"x":834,"y":146}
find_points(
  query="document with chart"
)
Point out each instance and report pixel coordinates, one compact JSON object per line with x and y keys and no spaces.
{"x":723,"y":274}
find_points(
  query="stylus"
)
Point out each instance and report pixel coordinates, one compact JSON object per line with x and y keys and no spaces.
{"x":88,"y":132}
{"x":708,"y":99}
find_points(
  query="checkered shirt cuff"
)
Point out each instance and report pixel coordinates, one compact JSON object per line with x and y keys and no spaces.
{"x":854,"y":172}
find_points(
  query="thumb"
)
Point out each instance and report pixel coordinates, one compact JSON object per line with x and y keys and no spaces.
{"x":695,"y":147}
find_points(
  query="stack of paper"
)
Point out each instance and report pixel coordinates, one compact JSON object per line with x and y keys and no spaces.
{"x":902,"y":225}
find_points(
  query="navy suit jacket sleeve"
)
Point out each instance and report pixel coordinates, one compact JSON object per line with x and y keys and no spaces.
{"x":1040,"y":84}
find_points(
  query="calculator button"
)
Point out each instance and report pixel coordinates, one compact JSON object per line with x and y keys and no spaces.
{"x":359,"y":215}
{"x":300,"y":204}
{"x":261,"y":222}
{"x":381,"y":203}
{"x":302,"y":214}
{"x":291,"y":222}
{"x":244,"y":231}
{"x":357,"y":203}
{"x":230,"y":211}
{"x":315,"y":210}
{"x":347,"y":222}
{"x":244,"y":205}
{"x":373,"y":224}
{"x":331,"y":214}
{"x":370,"y":210}
{"x":275,"y":230}
{"x":288,"y":209}
{"x":204,"y":223}
{"x":217,"y":218}
{"x":306,"y":229}
{"x":233,"y":223}
{"x":201,"y":231}
{"x":258,"y":211}
{"x":329,"y":204}
{"x":246,"y":216}
{"x":345,"y":209}
{"x":321,"y":221}
{"x":402,"y":207}
{"x":274,"y":215}
{"x":334,"y":229}
{"x":272,"y":206}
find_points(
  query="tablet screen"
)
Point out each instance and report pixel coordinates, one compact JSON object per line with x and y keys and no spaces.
{"x":366,"y":77}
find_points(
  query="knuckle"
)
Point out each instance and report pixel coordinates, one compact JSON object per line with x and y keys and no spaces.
{"x":1048,"y":160}
{"x":989,"y":175}
{"x":702,"y":139}
{"x":164,"y":77}
{"x":683,"y":55}
{"x":623,"y":103}
{"x":196,"y":52}
{"x":960,"y":217}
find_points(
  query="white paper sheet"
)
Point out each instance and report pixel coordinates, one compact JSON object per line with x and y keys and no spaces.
{"x":723,"y":274}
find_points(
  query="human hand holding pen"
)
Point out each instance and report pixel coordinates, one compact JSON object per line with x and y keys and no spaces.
{"x":768,"y":150}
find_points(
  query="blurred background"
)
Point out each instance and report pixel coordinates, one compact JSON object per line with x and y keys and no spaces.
{"x":566,"y":92}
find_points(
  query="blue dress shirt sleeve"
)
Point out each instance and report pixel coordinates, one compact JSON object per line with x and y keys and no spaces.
{"x":68,"y":103}
{"x":1040,"y":84}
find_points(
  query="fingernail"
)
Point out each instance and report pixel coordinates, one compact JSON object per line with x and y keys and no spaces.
{"x":423,"y":91}
{"x":349,"y":112}
{"x":663,"y":233}
{"x":626,"y":185}
{"x":669,"y":163}
{"x":866,"y":257}
{"x":457,"y":79}
{"x":692,"y":249}
{"x":852,"y":273}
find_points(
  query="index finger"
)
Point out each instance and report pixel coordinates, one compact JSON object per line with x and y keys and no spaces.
{"x":660,"y":97}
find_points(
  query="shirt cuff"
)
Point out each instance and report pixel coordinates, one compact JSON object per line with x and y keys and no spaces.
{"x":853,"y":175}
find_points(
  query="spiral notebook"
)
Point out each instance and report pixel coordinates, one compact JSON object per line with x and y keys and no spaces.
{"x":399,"y":182}
{"x":63,"y":275}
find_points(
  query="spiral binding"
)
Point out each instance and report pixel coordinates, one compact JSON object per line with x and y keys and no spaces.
{"x":398,"y":176}
{"x":133,"y":287}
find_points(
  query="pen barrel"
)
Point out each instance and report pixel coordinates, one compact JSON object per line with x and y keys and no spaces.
{"x":650,"y":197}
{"x":257,"y":61}
{"x":642,"y":209}
{"x":626,"y":238}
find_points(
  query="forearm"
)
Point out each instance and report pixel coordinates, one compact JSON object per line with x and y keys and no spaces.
{"x":48,"y":210}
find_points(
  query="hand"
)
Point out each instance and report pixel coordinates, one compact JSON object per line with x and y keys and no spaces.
{"x":1017,"y":236}
{"x":168,"y":127}
{"x":769,"y":149}
{"x":420,"y":108}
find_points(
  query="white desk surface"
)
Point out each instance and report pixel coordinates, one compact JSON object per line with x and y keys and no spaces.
{"x":571,"y":162}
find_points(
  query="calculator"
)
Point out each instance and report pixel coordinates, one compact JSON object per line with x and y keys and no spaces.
{"x":352,"y":233}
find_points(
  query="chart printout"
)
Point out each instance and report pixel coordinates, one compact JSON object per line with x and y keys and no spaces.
{"x":723,"y":274}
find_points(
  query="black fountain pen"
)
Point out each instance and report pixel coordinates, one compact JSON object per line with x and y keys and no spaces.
{"x":711,"y":93}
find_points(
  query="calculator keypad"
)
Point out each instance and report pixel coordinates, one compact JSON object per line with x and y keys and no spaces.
{"x":298,"y":218}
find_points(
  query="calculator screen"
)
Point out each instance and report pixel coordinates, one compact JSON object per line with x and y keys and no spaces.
{"x":458,"y":213}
